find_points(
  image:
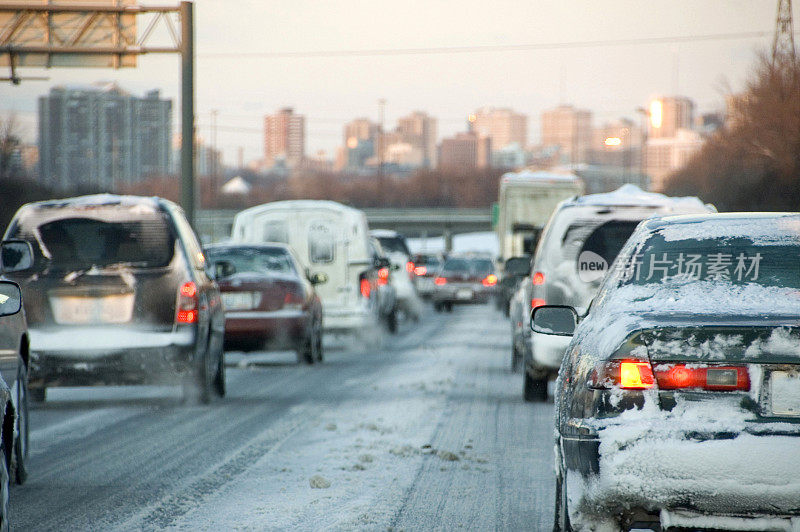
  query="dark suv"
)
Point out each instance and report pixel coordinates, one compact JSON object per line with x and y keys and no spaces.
{"x":119,"y":293}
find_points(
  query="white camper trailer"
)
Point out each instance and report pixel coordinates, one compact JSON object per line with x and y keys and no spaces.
{"x":329,"y":238}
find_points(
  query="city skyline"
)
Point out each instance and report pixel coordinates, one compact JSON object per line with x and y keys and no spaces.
{"x":610,"y":80}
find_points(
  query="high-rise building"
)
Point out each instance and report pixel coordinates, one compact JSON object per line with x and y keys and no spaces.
{"x":101,"y":136}
{"x":360,"y":129}
{"x":465,"y":151}
{"x":618,"y":143}
{"x":419,"y":130}
{"x":571,"y":130}
{"x":502,"y":126}
{"x":665,"y":155}
{"x":668,"y":114}
{"x":284,"y":138}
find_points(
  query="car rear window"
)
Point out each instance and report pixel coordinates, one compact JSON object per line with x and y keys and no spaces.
{"x":456,"y":266}
{"x":607,"y":239}
{"x":482,"y":266}
{"x":735,"y":261}
{"x":79,"y":243}
{"x":393,"y":244}
{"x":254,"y":260}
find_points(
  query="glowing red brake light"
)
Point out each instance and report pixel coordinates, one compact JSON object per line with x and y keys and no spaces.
{"x":187,"y":303}
{"x":420,"y":270}
{"x":538,"y":278}
{"x":701,"y":376}
{"x":383,"y":276}
{"x":440,"y":281}
{"x":490,"y":280}
{"x":365,"y":288}
{"x":409,"y":266}
{"x":537,"y":302}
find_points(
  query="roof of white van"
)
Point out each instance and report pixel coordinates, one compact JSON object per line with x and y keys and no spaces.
{"x":301,"y":205}
{"x":632,"y":195}
{"x":540,"y":175}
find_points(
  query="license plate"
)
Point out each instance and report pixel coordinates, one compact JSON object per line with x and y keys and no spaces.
{"x":464,"y":294}
{"x":785,"y":393}
{"x":81,"y":310}
{"x":241,"y":300}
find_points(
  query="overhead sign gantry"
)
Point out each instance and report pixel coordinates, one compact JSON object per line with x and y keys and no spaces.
{"x":103,"y":34}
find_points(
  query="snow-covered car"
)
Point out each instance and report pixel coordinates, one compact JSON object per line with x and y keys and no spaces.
{"x":269,"y":299}
{"x":119,"y":293}
{"x":678,"y":400}
{"x":16,"y":256}
{"x":382,"y":286}
{"x":464,"y":280}
{"x":581,"y":239}
{"x":396,"y":250}
{"x":425,"y":267}
{"x":515,"y":270}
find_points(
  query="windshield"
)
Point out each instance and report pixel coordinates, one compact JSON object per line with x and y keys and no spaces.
{"x":254,"y":260}
{"x":394,"y":244}
{"x":456,"y":266}
{"x":81,"y":243}
{"x":482,"y":266}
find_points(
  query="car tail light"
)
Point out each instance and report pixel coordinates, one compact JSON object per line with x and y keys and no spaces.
{"x":440,"y":281}
{"x":409,"y":267}
{"x":701,"y":376}
{"x":626,"y":374}
{"x":187,"y":303}
{"x":383,"y":276}
{"x":365,"y":287}
{"x":293,"y":301}
{"x":490,"y":280}
{"x":537,"y":302}
{"x":538,"y":278}
{"x":420,"y":270}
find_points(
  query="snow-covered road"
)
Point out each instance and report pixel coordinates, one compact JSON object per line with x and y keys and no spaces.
{"x":427,"y":431}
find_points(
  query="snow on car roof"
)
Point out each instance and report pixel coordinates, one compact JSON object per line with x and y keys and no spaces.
{"x":298,"y":205}
{"x":763,"y":228}
{"x":632,"y":195}
{"x":529,"y":175}
{"x":384,"y":233}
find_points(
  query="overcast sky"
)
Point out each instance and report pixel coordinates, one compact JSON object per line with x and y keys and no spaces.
{"x":609,"y":80}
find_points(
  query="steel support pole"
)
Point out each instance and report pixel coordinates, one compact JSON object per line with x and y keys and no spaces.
{"x":187,"y":110}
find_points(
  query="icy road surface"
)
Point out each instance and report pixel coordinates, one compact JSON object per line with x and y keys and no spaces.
{"x":428,"y":431}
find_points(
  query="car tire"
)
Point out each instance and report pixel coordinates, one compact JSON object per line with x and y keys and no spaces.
{"x":318,"y":339}
{"x":516,"y":358}
{"x":305,"y":353}
{"x":561,"y":521}
{"x":220,"y":386}
{"x":197,"y":384}
{"x":22,"y":428}
{"x":448,"y":307}
{"x":438,"y":307}
{"x":37,"y":394}
{"x":507,"y":309}
{"x":391,"y":321}
{"x":5,"y":485}
{"x":534,"y":390}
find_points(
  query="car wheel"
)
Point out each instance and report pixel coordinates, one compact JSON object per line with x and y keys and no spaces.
{"x":197,"y":384}
{"x":21,"y":442}
{"x":437,"y":307}
{"x":516,"y":358}
{"x":5,"y":482}
{"x":219,"y":379}
{"x":37,"y":394}
{"x":305,"y":353}
{"x":535,"y":390}
{"x":507,"y":309}
{"x":318,"y":343}
{"x":391,"y":321}
{"x":561,"y":520}
{"x":449,"y":307}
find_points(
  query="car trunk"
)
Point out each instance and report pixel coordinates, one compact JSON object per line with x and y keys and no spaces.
{"x":770,"y":356}
{"x":251,"y":291}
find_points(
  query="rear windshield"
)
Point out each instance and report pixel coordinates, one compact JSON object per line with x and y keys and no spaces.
{"x":482,"y":266}
{"x":83,"y":243}
{"x":604,"y":238}
{"x":393,"y":244}
{"x":733,"y":261}
{"x":456,"y":266}
{"x":254,"y":260}
{"x":431,"y":261}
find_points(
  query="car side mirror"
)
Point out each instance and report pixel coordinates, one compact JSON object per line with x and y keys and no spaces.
{"x":223,"y":268}
{"x":10,"y":298}
{"x":556,"y":320}
{"x":318,"y":278}
{"x":15,"y":255}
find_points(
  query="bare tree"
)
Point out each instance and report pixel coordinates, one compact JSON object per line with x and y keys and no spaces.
{"x":9,"y":142}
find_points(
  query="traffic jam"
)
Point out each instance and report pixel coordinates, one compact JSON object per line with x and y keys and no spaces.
{"x":661,"y":336}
